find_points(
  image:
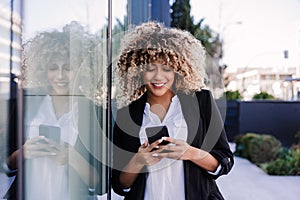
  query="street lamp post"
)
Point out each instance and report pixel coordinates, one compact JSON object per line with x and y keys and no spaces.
{"x":243,"y":73}
{"x":222,"y":34}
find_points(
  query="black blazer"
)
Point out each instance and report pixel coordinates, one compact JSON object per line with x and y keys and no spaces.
{"x":88,"y":144}
{"x":205,"y":131}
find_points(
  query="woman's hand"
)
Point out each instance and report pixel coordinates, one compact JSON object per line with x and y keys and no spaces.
{"x":37,"y":147}
{"x":41,"y":146}
{"x":144,"y":156}
{"x":176,"y":149}
{"x":180,"y":150}
{"x":61,"y":152}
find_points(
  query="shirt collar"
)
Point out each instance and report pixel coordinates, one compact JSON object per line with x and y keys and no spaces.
{"x":147,"y":106}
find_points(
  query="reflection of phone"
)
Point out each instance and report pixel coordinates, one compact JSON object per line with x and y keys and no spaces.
{"x":51,"y":132}
{"x":156,"y":133}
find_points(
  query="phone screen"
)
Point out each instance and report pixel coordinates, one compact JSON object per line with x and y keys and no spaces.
{"x":156,"y":133}
{"x":51,"y":132}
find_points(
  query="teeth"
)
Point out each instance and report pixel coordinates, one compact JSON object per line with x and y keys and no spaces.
{"x":61,"y":84}
{"x":158,"y":84}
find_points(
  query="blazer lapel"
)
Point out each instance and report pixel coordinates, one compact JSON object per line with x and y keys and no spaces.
{"x":191,"y":113}
{"x":136,"y":110}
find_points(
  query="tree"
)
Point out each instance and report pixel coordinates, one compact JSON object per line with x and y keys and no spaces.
{"x":181,"y":18}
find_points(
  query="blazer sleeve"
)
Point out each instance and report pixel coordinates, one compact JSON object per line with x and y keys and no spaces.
{"x":215,"y":140}
{"x":116,"y":171}
{"x":124,"y":147}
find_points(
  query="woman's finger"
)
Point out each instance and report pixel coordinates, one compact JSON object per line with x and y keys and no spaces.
{"x":34,"y":140}
{"x":173,"y":140}
{"x":167,"y":154}
{"x":30,"y":154}
{"x":145,"y":144}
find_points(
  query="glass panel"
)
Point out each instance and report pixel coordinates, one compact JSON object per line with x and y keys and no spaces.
{"x":64,"y":118}
{"x":10,"y":43}
{"x":120,"y":24}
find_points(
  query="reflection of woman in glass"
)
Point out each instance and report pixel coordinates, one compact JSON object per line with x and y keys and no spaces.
{"x":62,"y":132}
{"x":162,"y":77}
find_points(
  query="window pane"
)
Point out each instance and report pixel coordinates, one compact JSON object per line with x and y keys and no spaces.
{"x":64,"y":118}
{"x":10,"y":36}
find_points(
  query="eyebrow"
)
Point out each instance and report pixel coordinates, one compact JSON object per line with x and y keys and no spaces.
{"x":158,"y":64}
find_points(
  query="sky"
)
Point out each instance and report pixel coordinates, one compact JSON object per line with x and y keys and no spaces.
{"x":42,"y":15}
{"x":255,"y":32}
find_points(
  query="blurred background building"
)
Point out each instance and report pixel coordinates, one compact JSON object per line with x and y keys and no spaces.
{"x":10,"y":47}
{"x":144,"y":10}
{"x":10,"y":62}
{"x":282,"y":84}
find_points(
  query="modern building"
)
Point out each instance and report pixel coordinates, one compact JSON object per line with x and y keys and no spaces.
{"x":10,"y":36}
{"x":10,"y":62}
{"x":140,"y":11}
{"x":282,"y":84}
{"x":10,"y":47}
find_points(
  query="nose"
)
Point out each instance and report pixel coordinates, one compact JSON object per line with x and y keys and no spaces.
{"x":60,"y":74}
{"x":159,"y":73}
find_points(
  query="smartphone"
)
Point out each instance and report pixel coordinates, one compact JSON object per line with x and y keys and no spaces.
{"x":50,"y":132}
{"x":157,"y":132}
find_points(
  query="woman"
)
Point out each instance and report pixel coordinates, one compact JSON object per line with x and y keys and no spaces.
{"x":161,"y":73}
{"x":62,"y":150}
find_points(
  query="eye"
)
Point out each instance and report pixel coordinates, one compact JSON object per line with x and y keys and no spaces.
{"x":167,"y":69}
{"x":52,"y":67}
{"x":67,"y":67}
{"x":150,"y":68}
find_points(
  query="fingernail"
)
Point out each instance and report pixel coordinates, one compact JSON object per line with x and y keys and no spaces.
{"x":157,"y":147}
{"x":163,"y":138}
{"x":155,"y":155}
{"x":160,"y":140}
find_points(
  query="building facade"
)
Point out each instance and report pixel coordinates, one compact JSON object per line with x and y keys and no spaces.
{"x":10,"y":46}
{"x":282,"y":84}
{"x":10,"y":65}
{"x":140,"y":11}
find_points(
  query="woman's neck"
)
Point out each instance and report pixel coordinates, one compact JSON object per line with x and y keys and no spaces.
{"x":159,"y":105}
{"x":60,"y":104}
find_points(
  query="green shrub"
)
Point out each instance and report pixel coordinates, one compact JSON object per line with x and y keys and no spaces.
{"x":233,"y":95}
{"x":258,"y":148}
{"x":261,"y":150}
{"x":287,"y":163}
{"x":242,"y":144}
{"x":263,"y":95}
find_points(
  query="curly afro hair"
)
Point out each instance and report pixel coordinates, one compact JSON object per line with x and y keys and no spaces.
{"x":151,"y":41}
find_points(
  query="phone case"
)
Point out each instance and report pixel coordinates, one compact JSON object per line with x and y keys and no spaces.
{"x":156,"y":133}
{"x":51,"y":132}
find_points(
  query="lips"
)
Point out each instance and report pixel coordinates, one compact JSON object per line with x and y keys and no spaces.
{"x":61,"y":84}
{"x":158,"y":85}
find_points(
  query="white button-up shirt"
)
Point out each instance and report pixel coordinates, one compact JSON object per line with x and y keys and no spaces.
{"x":166,"y":178}
{"x":45,"y":178}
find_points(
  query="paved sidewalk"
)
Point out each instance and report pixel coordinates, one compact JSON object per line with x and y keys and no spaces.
{"x":246,"y":181}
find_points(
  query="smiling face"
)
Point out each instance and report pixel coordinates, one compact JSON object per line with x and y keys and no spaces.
{"x":159,"y":79}
{"x":60,"y":76}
